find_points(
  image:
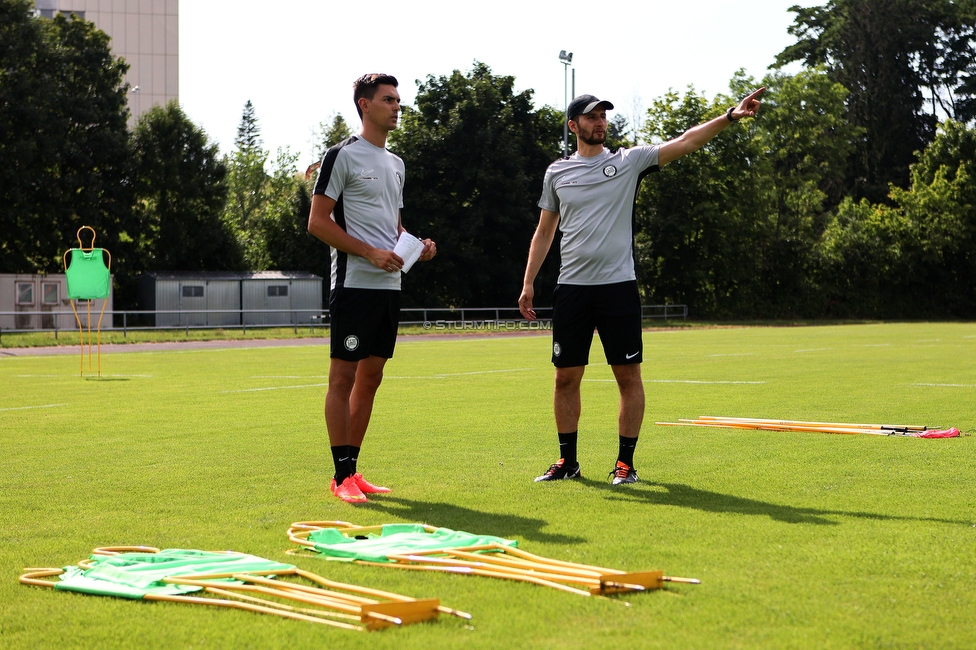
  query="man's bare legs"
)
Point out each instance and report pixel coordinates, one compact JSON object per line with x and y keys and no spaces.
{"x":631,"y":399}
{"x":566,"y":399}
{"x":566,"y":404}
{"x":567,"y":408}
{"x":349,"y":400}
{"x":348,"y":407}
{"x":628,"y":421}
{"x":369,"y":374}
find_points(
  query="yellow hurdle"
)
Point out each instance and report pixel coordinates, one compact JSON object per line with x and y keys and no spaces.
{"x":499,"y":561}
{"x":359,"y":608}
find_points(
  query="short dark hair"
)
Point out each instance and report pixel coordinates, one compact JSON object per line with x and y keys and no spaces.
{"x":366,"y":87}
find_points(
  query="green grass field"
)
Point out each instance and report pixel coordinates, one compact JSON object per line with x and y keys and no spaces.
{"x":801,"y":540}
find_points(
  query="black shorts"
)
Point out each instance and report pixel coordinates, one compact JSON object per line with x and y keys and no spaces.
{"x":364,"y":323}
{"x":614,"y":310}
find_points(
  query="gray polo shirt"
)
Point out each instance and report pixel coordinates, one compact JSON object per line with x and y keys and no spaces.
{"x":366,"y":183}
{"x":595,"y":199}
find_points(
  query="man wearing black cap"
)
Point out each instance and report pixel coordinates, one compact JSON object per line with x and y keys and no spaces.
{"x":590,"y":197}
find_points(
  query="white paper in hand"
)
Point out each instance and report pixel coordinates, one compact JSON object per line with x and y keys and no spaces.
{"x":409,"y":249}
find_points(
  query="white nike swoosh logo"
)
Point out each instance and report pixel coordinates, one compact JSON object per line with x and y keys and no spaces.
{"x":631,"y":356}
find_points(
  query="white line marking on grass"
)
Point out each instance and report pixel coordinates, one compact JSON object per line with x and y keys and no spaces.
{"x":948,"y":385}
{"x":455,"y":374}
{"x":289,"y":376}
{"x":443,"y":376}
{"x":680,"y":381}
{"x":742,"y":354}
{"x":75,"y":375}
{"x":814,"y":350}
{"x":969,"y":337}
{"x":929,"y":341}
{"x":24,"y":408}
{"x":255,"y":390}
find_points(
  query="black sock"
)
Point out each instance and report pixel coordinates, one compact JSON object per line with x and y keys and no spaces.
{"x":353,"y":457}
{"x":626,"y":453}
{"x":340,"y":456}
{"x":567,"y":448}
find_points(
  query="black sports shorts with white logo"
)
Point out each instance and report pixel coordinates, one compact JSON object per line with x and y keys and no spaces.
{"x":364,"y":322}
{"x":614,"y":310}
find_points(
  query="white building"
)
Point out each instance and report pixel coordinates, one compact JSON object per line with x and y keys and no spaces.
{"x":32,"y":301}
{"x":145,"y":33}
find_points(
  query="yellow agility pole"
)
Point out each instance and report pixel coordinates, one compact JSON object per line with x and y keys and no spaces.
{"x":420,"y":547}
{"x":770,"y":427}
{"x":894,"y":427}
{"x":761,"y":424}
{"x":239,"y":581}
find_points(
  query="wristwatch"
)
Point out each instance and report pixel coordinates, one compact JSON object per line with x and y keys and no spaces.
{"x":728,"y":114}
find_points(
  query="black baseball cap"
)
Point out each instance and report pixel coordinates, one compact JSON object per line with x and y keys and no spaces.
{"x":584,"y":104}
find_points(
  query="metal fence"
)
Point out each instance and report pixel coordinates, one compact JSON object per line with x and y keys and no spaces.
{"x":430,"y":318}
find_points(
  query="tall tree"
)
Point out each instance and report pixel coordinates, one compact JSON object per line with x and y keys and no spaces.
{"x":63,"y":139}
{"x":247,"y":183}
{"x":916,"y":256}
{"x":181,"y":188}
{"x":807,"y":142}
{"x":618,"y":133}
{"x":475,"y":152}
{"x":888,"y":53}
{"x":289,"y":245}
{"x":330,"y":132}
{"x":248,"y":131}
{"x":702,"y":219}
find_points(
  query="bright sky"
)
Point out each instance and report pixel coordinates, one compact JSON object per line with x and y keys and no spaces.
{"x":296,"y":59}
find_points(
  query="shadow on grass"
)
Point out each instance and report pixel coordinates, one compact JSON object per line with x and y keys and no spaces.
{"x":457,"y":517}
{"x":685,"y":496}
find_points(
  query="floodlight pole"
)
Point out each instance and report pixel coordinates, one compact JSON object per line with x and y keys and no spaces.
{"x":566,"y":58}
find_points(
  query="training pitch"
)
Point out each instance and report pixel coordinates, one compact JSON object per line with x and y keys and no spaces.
{"x":801,"y":540}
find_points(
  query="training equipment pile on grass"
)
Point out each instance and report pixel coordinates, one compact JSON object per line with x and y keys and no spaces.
{"x":147,"y":573}
{"x":428,"y":548}
{"x":913,"y":431}
{"x":801,"y":540}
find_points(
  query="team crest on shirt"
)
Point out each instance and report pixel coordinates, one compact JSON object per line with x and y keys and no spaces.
{"x":609,"y":171}
{"x":351,"y":342}
{"x":399,"y":178}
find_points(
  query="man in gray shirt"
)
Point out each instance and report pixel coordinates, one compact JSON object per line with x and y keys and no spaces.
{"x":590,"y":197}
{"x":356,"y":211}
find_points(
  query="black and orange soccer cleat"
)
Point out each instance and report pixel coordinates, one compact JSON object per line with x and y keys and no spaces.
{"x":559,"y":471}
{"x":623,"y":473}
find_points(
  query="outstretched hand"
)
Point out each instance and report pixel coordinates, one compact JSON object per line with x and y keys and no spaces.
{"x":749,"y":106}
